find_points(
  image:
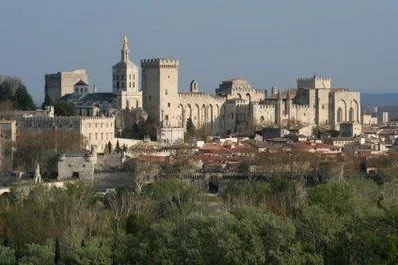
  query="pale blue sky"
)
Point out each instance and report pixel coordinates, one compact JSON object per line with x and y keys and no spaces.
{"x":354,"y":42}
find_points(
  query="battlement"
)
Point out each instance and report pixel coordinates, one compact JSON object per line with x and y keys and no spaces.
{"x":299,"y":106}
{"x":101,"y":118}
{"x":160,"y":62}
{"x":306,"y":79}
{"x":264,"y":106}
{"x":201,"y":95}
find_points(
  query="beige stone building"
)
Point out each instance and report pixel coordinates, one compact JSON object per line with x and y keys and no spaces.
{"x":59,"y":84}
{"x":236,"y":107}
{"x":73,"y":87}
{"x":125,"y":80}
{"x":97,"y":131}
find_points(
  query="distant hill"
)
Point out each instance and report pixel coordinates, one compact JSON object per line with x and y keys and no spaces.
{"x":385,"y":99}
{"x":387,"y":102}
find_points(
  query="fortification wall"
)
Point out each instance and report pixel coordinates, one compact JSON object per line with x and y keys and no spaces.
{"x":263,"y":114}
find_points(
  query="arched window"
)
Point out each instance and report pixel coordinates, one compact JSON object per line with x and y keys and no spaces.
{"x":351,"y":115}
{"x":339,"y":115}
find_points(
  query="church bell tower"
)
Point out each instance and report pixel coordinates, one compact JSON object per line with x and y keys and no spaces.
{"x":125,"y":80}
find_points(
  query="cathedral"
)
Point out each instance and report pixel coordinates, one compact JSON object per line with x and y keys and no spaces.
{"x":88,"y":102}
{"x":235,"y":107}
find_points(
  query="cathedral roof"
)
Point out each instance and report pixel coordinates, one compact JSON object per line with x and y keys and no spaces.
{"x":81,"y":83}
{"x":123,"y":64}
{"x":89,"y":97}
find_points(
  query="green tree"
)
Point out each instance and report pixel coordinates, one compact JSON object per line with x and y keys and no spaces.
{"x":57,"y":254}
{"x":109,"y":147}
{"x":62,"y":108}
{"x":37,"y":254}
{"x":117,"y":148}
{"x":13,"y":89}
{"x":7,"y":256}
{"x":47,"y":102}
{"x":191,"y":131}
{"x":23,"y":100}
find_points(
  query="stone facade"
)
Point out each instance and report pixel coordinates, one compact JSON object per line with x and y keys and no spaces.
{"x":237,"y":108}
{"x":350,"y":129}
{"x":125,"y":89}
{"x":59,"y":84}
{"x":125,"y":80}
{"x":76,"y":166}
{"x":97,"y":131}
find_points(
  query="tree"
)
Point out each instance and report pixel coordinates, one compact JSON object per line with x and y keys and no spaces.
{"x":42,"y":147}
{"x":22,"y":98}
{"x":117,"y":148}
{"x":57,"y":255}
{"x":191,"y":131}
{"x":109,"y":147}
{"x":12,"y":89}
{"x":62,"y":108}
{"x":47,"y":102}
{"x":7,"y":256}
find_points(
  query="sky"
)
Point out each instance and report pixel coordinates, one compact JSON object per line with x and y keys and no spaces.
{"x":265,"y":42}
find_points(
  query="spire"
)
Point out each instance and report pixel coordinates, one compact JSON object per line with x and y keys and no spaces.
{"x":125,"y":49}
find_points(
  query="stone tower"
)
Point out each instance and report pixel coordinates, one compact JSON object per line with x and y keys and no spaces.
{"x":160,"y":90}
{"x":125,"y":80}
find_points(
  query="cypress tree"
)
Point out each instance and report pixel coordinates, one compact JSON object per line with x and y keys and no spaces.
{"x":57,"y":256}
{"x":190,"y":128}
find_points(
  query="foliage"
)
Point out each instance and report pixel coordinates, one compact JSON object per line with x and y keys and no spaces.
{"x":47,"y":102}
{"x":191,"y":130}
{"x":14,"y":91}
{"x":141,"y":130}
{"x":42,"y":148}
{"x":275,"y":221}
{"x":7,"y":256}
{"x":63,"y":108}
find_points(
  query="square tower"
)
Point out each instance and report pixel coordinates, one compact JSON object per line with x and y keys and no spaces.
{"x":314,"y":82}
{"x":160,"y":90}
{"x":59,"y":84}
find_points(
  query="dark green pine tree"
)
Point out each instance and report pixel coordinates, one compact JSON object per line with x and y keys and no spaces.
{"x":63,"y":108}
{"x":6,"y":91}
{"x":109,"y":147}
{"x":47,"y":102}
{"x":117,"y":148}
{"x":190,"y":128}
{"x":57,"y":256}
{"x":23,"y":100}
{"x":8,"y":242}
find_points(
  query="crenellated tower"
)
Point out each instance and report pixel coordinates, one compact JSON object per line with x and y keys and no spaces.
{"x":160,"y":90}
